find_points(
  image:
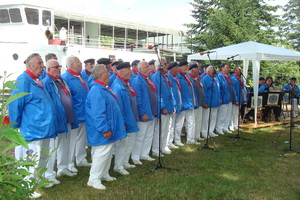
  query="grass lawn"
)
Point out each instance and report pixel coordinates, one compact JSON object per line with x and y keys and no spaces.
{"x":240,"y":170}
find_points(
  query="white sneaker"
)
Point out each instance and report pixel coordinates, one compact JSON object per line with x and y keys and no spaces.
{"x":97,"y":186}
{"x":137,"y":162}
{"x":84,"y":163}
{"x":66,"y":173}
{"x":232,"y":129}
{"x":128,"y":166}
{"x":219,"y":132}
{"x":166,"y":152}
{"x":73,"y":169}
{"x":35,"y":195}
{"x":54,"y":180}
{"x":200,"y":139}
{"x":179,"y":144}
{"x":212,"y":135}
{"x":108,"y":178}
{"x":148,"y":158}
{"x":122,"y":171}
{"x":227,"y":131}
{"x":157,"y":154}
{"x":49,"y":185}
{"x":172,"y":146}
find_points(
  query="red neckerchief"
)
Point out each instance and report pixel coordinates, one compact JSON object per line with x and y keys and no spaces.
{"x":226,"y":77}
{"x":36,"y":79}
{"x":239,"y":79}
{"x":153,"y":72}
{"x":185,"y":77}
{"x":211,"y":77}
{"x":134,"y":71}
{"x":128,"y":84}
{"x":101,"y":83}
{"x":176,"y":78}
{"x":61,"y":83}
{"x":88,"y":72}
{"x":78,"y":76}
{"x":197,"y":79}
{"x":149,"y":82}
{"x":164,"y":74}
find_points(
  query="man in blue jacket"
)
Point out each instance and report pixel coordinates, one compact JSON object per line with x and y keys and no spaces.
{"x":105,"y":126}
{"x":34,"y":114}
{"x":127,"y":101}
{"x":199,"y":97}
{"x":62,"y":100}
{"x":47,"y":57}
{"x":212,"y":100}
{"x":187,"y":109}
{"x":79,"y":90}
{"x":88,"y":65}
{"x":146,"y":98}
{"x":175,"y":89}
{"x":291,"y":86}
{"x":165,"y":106}
{"x":227,"y":96}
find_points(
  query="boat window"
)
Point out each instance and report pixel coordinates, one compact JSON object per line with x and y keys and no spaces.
{"x":46,"y":18}
{"x":15,"y":15}
{"x":4,"y":17}
{"x":32,"y":16}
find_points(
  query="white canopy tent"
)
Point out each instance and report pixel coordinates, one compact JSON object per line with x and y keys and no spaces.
{"x":247,"y":51}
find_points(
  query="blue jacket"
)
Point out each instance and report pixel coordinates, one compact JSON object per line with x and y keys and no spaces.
{"x":85,"y":75}
{"x":43,"y":74}
{"x":176,"y":93}
{"x":165,"y":97}
{"x":224,"y":88}
{"x":34,"y":113}
{"x":211,"y":91}
{"x":288,"y":88}
{"x":202,"y":75}
{"x":195,"y":85}
{"x":239,"y":90}
{"x":187,"y":95}
{"x":112,"y":77}
{"x":119,"y":88}
{"x":103,"y":114}
{"x":263,"y":88}
{"x":142,"y":96}
{"x":60,"y":110}
{"x":78,"y":93}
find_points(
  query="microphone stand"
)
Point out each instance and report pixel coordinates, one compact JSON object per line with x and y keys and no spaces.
{"x":291,"y":130}
{"x":206,"y":146}
{"x":159,"y":165}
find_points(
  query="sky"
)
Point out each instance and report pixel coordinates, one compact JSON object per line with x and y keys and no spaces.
{"x":163,"y":13}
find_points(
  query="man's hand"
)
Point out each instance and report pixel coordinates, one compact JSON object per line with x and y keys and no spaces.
{"x":165,"y":111}
{"x":237,"y":103}
{"x":205,"y":106}
{"x":107,"y":134}
{"x":145,"y":118}
{"x":221,"y":101}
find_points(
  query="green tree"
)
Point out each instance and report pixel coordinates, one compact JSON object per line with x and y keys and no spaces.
{"x":291,"y":25}
{"x":221,"y":23}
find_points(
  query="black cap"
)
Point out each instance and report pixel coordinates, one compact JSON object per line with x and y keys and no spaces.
{"x":115,"y":63}
{"x":293,"y":79}
{"x":183,"y":62}
{"x":172,"y":65}
{"x":91,"y":60}
{"x":104,"y":61}
{"x":261,"y":78}
{"x":205,"y":66}
{"x":192,"y":66}
{"x":135,"y":62}
{"x":123,"y":65}
{"x":151,"y":62}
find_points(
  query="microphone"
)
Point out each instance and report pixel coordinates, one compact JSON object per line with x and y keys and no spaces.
{"x":232,"y":57}
{"x":206,"y":52}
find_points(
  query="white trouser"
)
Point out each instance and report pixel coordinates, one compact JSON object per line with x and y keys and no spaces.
{"x":129,"y":146}
{"x":235,"y":117}
{"x":171,"y":133}
{"x":198,"y":122}
{"x":229,"y":114}
{"x":143,"y":140}
{"x":50,"y":173}
{"x":205,"y":119}
{"x":187,"y":118}
{"x":77,"y":145}
{"x":165,"y":124}
{"x":101,"y":162}
{"x":221,"y":118}
{"x":40,"y":150}
{"x":120,"y":150}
